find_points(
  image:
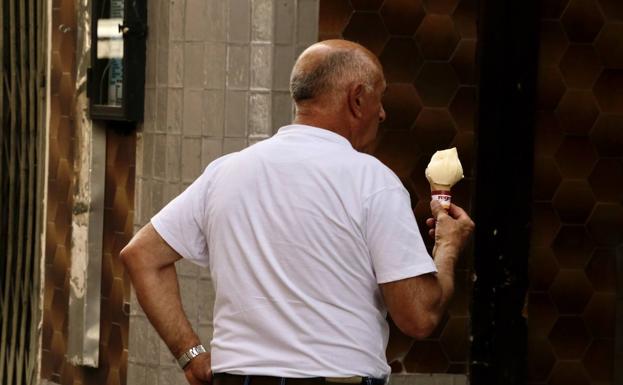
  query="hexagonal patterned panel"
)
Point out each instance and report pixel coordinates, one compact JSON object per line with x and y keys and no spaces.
{"x":368,"y":30}
{"x":571,"y":291}
{"x":609,"y":45}
{"x":601,"y":270}
{"x":434,"y":129}
{"x":580,"y":66}
{"x":600,"y":315}
{"x":542,"y":359}
{"x":437,"y":37}
{"x":366,"y":5}
{"x":546,"y":178}
{"x":573,"y":246}
{"x":553,"y":43}
{"x":333,"y":17}
{"x":599,"y":361}
{"x":576,"y":157}
{"x":426,"y":357}
{"x":569,"y":337}
{"x":580,"y":101}
{"x":542,"y":313}
{"x":569,"y":373}
{"x":401,"y":60}
{"x":613,"y":9}
{"x":550,"y":88}
{"x":548,"y":134}
{"x":608,"y":91}
{"x":601,"y":180}
{"x":402,"y":17}
{"x":436,"y":83}
{"x":574,"y":201}
{"x":606,"y":224}
{"x":607,"y":135}
{"x":463,"y":61}
{"x":582,"y":20}
{"x":543,"y":267}
{"x":402,"y":106}
{"x":545,"y":224}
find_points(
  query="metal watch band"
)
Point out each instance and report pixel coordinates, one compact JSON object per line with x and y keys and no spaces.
{"x":191,"y":353}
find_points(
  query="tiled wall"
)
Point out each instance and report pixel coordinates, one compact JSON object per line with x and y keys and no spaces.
{"x":217,"y":81}
{"x":118,"y":214}
{"x":427,"y":49}
{"x":578,"y":194}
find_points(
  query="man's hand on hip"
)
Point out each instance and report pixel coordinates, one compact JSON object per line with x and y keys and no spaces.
{"x":198,"y":371}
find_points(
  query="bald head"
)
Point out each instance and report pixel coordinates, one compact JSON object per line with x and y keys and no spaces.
{"x":330,"y":66}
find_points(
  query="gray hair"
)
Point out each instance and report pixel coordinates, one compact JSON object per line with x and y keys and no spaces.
{"x":335,"y":70}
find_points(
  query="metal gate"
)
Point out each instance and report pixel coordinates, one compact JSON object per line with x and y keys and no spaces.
{"x":22,"y":65}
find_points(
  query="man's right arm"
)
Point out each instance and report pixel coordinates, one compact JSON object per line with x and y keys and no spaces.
{"x":417,"y":304}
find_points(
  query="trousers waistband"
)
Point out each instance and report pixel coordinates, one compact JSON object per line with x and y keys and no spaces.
{"x":235,"y":379}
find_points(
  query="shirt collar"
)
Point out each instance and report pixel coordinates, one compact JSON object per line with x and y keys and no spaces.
{"x":317,"y":132}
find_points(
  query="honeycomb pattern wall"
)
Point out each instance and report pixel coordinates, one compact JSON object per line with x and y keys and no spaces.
{"x":427,"y":48}
{"x":118,"y":222}
{"x":578,"y":194}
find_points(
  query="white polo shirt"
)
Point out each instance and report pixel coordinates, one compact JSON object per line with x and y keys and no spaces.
{"x":298,"y":231}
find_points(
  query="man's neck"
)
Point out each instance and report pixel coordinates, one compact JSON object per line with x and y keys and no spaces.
{"x":323,"y":120}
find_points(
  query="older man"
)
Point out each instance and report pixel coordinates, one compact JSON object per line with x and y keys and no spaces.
{"x":309,"y":242}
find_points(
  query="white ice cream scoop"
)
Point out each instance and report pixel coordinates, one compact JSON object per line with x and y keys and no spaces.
{"x":444,"y":171}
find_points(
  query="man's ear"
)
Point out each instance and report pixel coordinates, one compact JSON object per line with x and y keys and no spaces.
{"x":355,"y":100}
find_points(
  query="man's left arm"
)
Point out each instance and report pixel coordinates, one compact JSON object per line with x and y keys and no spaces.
{"x":150,"y":262}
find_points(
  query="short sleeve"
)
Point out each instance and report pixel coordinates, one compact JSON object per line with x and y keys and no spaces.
{"x":179,"y":223}
{"x":394,"y":241}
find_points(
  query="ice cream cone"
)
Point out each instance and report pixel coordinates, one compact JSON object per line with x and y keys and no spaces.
{"x":441,"y":193}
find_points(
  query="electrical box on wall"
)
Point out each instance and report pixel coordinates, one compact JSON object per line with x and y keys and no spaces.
{"x":116,"y":78}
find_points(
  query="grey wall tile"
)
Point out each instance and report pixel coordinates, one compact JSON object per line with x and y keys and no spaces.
{"x":233,"y":145}
{"x":186,"y":268}
{"x":160,"y":147}
{"x":236,"y":114}
{"x":210,"y":150}
{"x":239,"y":21}
{"x":262,"y":20}
{"x":260,"y":123}
{"x":161,"y":109}
{"x":238,"y":67}
{"x":176,"y":64}
{"x":193,"y":112}
{"x":283,"y":62}
{"x":171,"y":376}
{"x":176,"y":18}
{"x":188,"y":291}
{"x":157,"y":196}
{"x":191,"y":159}
{"x":175,"y":109}
{"x":148,"y":154}
{"x":194,"y":68}
{"x":261,"y":66}
{"x":307,"y":21}
{"x":215,"y":65}
{"x":195,"y":21}
{"x":214,"y":113}
{"x":151,"y":65}
{"x":149,"y":116}
{"x":205,"y":301}
{"x":281,"y":110}
{"x":173,"y":164}
{"x":166,"y":357}
{"x":285,"y":16}
{"x":136,"y":375}
{"x":216,"y":20}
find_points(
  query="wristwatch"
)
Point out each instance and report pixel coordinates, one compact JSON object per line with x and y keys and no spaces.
{"x":191,"y":353}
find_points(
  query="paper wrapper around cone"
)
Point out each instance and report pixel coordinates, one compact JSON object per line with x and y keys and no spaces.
{"x":441,"y":193}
